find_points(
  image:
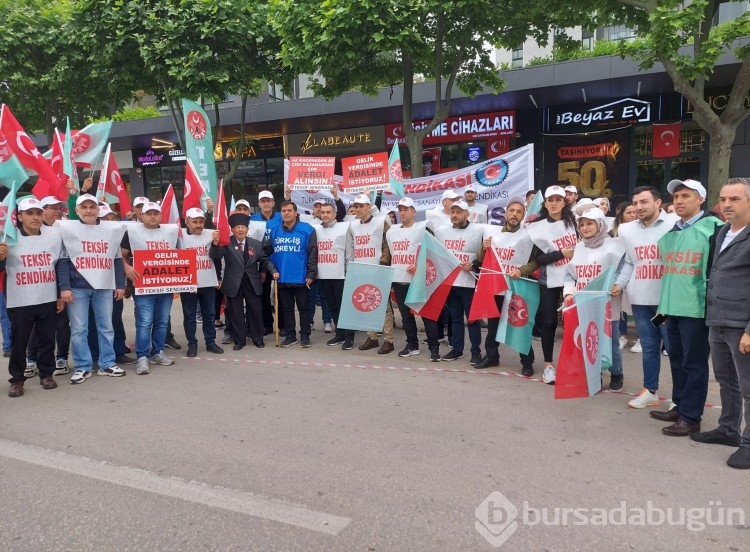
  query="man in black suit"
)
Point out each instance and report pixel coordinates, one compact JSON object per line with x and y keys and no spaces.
{"x":240,"y":282}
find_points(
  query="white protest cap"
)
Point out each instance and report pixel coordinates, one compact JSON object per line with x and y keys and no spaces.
{"x":571,"y":188}
{"x":516,"y":199}
{"x":449,"y":194}
{"x":593,"y":213}
{"x":583,"y":205}
{"x":86,"y":197}
{"x":140,"y":200}
{"x":50,"y":200}
{"x":242,"y":202}
{"x":554,"y":191}
{"x":29,"y":203}
{"x":195,"y":212}
{"x":688,"y":183}
{"x":320,"y":201}
{"x":265,"y":194}
{"x":461,"y":204}
{"x":362,"y":199}
{"x":470,"y":188}
{"x":104,"y":210}
{"x":151,"y":206}
{"x":406,"y":202}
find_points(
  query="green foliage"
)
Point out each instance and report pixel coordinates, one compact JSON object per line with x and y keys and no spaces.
{"x":131,"y":114}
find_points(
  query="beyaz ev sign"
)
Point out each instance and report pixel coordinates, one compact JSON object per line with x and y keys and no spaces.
{"x":627,"y":111}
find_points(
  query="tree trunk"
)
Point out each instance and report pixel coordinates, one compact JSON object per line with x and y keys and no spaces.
{"x":719,"y":152}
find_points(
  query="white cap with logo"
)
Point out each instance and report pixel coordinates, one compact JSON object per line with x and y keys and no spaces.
{"x":195,"y":212}
{"x":406,"y":202}
{"x":554,"y":191}
{"x":29,"y":203}
{"x":140,"y":200}
{"x":688,"y":183}
{"x":571,"y":188}
{"x":265,"y":194}
{"x":50,"y":200}
{"x":86,"y":197}
{"x":151,"y":206}
{"x":461,"y":204}
{"x":104,"y":210}
{"x":242,"y":202}
{"x":362,"y":199}
{"x":449,"y":194}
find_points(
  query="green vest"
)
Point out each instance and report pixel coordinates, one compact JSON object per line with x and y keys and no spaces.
{"x":685,"y":254}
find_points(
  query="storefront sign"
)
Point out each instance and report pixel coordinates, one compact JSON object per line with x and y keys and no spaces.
{"x":265,"y":148}
{"x":627,"y":111}
{"x":496,"y":128}
{"x":152,"y":157}
{"x":165,"y":271}
{"x":310,"y":173}
{"x":337,"y":142}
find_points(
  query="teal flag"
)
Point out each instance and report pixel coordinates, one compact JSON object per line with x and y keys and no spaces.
{"x":593,"y":335}
{"x":7,"y":215}
{"x":603,"y":283}
{"x":11,"y":171}
{"x":69,"y":168}
{"x":518,"y":314}
{"x":536,"y":206}
{"x":394,"y":171}
{"x":199,"y":146}
{"x":367,"y":290}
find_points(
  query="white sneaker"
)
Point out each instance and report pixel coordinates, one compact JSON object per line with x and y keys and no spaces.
{"x":665,"y":353}
{"x":636,"y":348}
{"x":646,"y":398}
{"x":623,"y":342}
{"x":61,"y":367}
{"x":328,"y":327}
{"x":550,"y":375}
{"x":142,"y":368}
{"x":115,"y":371}
{"x":161,"y":359}
{"x":31,"y":369}
{"x":79,"y":376}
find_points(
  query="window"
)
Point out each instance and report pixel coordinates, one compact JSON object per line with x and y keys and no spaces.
{"x":517,"y":57}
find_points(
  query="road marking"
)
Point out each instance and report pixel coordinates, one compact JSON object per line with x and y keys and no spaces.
{"x":175,"y":487}
{"x":479,"y":373}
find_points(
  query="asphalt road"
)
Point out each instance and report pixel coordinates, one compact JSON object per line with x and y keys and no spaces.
{"x":323,"y":449}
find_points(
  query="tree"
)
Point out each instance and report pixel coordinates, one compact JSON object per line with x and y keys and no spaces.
{"x":176,"y":49}
{"x":367,"y":44}
{"x":44,"y":74}
{"x":686,"y":39}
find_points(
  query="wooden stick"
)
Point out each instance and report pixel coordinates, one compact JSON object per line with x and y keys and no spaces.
{"x":276,"y":308}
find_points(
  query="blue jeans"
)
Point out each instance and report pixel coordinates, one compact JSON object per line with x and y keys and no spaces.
{"x":651,"y":340}
{"x":616,"y":369}
{"x":151,"y":315}
{"x":100,"y":300}
{"x":459,"y":305}
{"x":316,"y":294}
{"x":5,"y":323}
{"x":688,"y":357}
{"x":206,"y":296}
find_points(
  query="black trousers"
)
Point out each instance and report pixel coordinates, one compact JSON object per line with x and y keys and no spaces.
{"x":62,"y":336}
{"x":549,"y":301}
{"x":333,"y":290}
{"x":289,"y":295}
{"x":407,"y":317}
{"x":265,"y":303}
{"x":23,"y":320}
{"x":244,"y":313}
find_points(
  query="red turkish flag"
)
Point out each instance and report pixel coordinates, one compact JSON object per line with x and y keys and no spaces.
{"x":110,"y":182}
{"x":221,"y":222}
{"x":491,"y":283}
{"x":571,"y":381}
{"x":666,"y":140}
{"x":193,"y":189}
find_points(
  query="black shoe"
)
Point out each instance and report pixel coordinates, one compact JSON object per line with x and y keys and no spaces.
{"x":128,"y":350}
{"x":716,"y":437}
{"x":215,"y":349}
{"x":435,"y":356}
{"x":476,"y":358}
{"x":237,"y":347}
{"x":170,"y":343}
{"x":289,"y":341}
{"x":615,"y":382}
{"x":348,"y":344}
{"x":192,"y":351}
{"x":486,"y":363}
{"x":740,"y":459}
{"x":226,"y":340}
{"x":408,"y":351}
{"x":670,"y":415}
{"x":336,"y":340}
{"x":259,"y":344}
{"x":452,"y":355}
{"x":125,"y":359}
{"x":267,"y":331}
{"x":527,"y":371}
{"x":282,"y":332}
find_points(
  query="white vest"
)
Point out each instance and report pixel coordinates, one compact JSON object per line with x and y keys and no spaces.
{"x":332,"y":250}
{"x":513,"y":248}
{"x":436,"y":218}
{"x":588,"y":263}
{"x":205,"y":268}
{"x":92,"y":249}
{"x":30,"y":268}
{"x":464,"y":243}
{"x":478,"y":213}
{"x":256,"y":230}
{"x":142,"y":238}
{"x":553,"y":236}
{"x":404,"y":244}
{"x":310,"y":219}
{"x":644,"y":287}
{"x":367,"y":240}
